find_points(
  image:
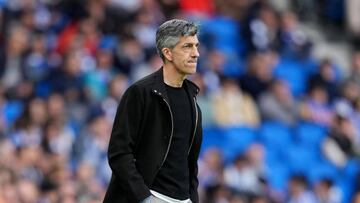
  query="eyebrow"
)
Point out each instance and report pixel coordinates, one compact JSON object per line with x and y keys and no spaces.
{"x":189,"y":43}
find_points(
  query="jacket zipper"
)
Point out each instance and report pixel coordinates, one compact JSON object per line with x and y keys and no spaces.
{"x":196,"y":121}
{"x":171,"y":135}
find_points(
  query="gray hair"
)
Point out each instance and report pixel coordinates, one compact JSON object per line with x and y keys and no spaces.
{"x":169,"y":33}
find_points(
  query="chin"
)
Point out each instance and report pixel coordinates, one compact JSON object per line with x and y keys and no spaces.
{"x":187,"y":70}
{"x":192,"y":71}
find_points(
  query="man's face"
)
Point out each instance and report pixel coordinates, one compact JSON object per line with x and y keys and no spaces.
{"x":185,"y":55}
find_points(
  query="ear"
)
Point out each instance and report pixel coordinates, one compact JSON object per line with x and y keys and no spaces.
{"x":167,"y":54}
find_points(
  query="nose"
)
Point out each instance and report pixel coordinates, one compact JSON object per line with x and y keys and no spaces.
{"x":195,"y":53}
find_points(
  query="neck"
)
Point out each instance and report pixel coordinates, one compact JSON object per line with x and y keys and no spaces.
{"x":172,"y":77}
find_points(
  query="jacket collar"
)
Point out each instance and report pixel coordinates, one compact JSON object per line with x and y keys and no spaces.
{"x":159,"y":85}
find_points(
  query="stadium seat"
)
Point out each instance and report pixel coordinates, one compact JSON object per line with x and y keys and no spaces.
{"x":236,"y":140}
{"x":292,"y":72}
{"x":271,"y":156}
{"x":321,"y":170}
{"x":223,"y":34}
{"x":275,"y":136}
{"x":310,"y":135}
{"x":212,"y":137}
{"x":347,"y":187}
{"x":352,"y":169}
{"x":12,"y":111}
{"x":278,"y":175}
{"x":300,"y":159}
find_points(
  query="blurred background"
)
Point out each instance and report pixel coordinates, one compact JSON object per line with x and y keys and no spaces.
{"x":280,"y":95}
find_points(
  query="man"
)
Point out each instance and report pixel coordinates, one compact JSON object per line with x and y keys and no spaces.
{"x":157,"y":133}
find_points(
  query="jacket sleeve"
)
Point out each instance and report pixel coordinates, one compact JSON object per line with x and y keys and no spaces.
{"x":193,"y":158}
{"x":124,"y":137}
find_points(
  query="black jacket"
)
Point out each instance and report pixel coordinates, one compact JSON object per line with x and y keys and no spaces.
{"x":141,"y":138}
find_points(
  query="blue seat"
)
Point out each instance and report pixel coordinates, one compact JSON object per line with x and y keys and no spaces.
{"x":234,"y":66}
{"x":212,"y":137}
{"x":310,"y":135}
{"x":352,"y":169}
{"x":293,"y":74}
{"x":236,"y":141}
{"x":321,"y":170}
{"x":223,"y":33}
{"x":12,"y":111}
{"x":310,"y":65}
{"x":275,"y":136}
{"x":272,"y":157}
{"x":300,"y":159}
{"x":347,"y":187}
{"x":277,"y":176}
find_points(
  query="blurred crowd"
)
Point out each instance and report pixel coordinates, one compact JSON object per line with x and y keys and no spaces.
{"x":64,"y":65}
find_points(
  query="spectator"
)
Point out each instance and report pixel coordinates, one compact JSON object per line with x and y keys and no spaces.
{"x":130,"y":55}
{"x":110,"y":17}
{"x":355,"y":69}
{"x":298,"y":190}
{"x":213,"y":69}
{"x":86,"y":185}
{"x":258,"y":76}
{"x":57,"y":139}
{"x":278,"y":104}
{"x":27,"y":191}
{"x":325,"y":191}
{"x":93,"y":145}
{"x":58,"y":112}
{"x":12,"y":59}
{"x":210,"y":169}
{"x":256,"y":157}
{"x":316,"y":108}
{"x":147,"y":67}
{"x":339,"y":147}
{"x":232,"y":107}
{"x":36,"y":62}
{"x":68,"y":80}
{"x":263,"y":30}
{"x":204,"y":101}
{"x":27,"y":166}
{"x":294,"y":42}
{"x":28,"y":131}
{"x":349,"y":92}
{"x":144,"y":28}
{"x":96,"y":81}
{"x":344,"y":104}
{"x":68,"y":191}
{"x":241,"y":177}
{"x":116,"y":89}
{"x":326,"y":78}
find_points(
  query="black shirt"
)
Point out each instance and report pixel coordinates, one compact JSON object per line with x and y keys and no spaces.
{"x":173,"y":178}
